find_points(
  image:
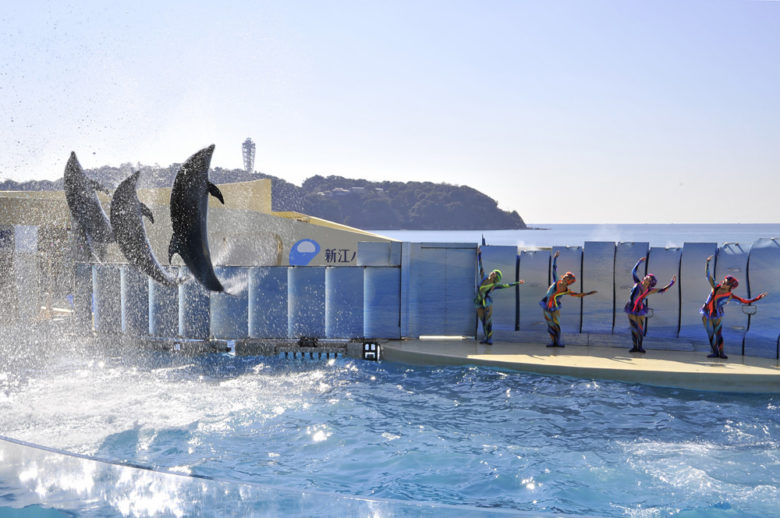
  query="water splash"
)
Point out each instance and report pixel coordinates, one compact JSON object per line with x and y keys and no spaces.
{"x":235,"y":282}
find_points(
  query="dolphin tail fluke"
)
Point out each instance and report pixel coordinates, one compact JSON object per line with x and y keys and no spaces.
{"x":146,"y":211}
{"x":174,"y":247}
{"x":214,"y":191}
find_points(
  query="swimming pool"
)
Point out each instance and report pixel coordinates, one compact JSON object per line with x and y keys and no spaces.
{"x":464,"y":436}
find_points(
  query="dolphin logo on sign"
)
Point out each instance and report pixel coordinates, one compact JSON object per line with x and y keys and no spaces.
{"x":303,"y":252}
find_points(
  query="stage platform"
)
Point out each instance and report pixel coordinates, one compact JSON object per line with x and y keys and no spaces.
{"x":678,"y":369}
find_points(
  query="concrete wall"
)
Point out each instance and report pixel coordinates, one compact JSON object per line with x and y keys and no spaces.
{"x":243,"y":232}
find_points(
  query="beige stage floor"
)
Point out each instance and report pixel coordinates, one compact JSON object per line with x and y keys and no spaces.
{"x":681,"y":369}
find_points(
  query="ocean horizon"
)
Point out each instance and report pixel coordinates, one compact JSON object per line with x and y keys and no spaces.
{"x":541,"y":235}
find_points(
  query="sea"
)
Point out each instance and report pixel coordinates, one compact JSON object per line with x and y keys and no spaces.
{"x":545,"y":236}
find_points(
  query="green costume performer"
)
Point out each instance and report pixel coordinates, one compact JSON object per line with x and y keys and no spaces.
{"x":483,"y":301}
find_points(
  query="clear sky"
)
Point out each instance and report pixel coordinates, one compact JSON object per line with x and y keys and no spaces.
{"x":566,"y":111}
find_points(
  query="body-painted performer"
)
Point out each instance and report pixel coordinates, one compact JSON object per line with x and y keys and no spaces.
{"x":637,"y":308}
{"x":712,"y":310}
{"x":484,"y":301}
{"x":551,"y":303}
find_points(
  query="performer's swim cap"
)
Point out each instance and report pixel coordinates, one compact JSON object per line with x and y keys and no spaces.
{"x":653,"y":280}
{"x":499,"y":275}
{"x":731,"y":281}
{"x":572,"y":276}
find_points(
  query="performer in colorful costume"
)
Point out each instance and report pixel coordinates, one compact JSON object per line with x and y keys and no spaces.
{"x":712,"y":310}
{"x":637,"y":308}
{"x":484,"y":301}
{"x":551,"y":303}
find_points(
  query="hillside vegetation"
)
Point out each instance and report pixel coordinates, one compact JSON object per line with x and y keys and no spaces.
{"x":358,"y":203}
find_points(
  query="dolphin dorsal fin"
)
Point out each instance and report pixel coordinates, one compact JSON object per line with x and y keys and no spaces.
{"x":146,"y":211}
{"x":214,"y":191}
{"x":173,"y":247}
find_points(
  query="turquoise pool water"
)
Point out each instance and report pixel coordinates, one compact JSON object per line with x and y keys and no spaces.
{"x":472,"y":437}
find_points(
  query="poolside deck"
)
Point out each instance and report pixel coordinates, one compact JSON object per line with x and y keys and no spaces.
{"x":678,"y":369}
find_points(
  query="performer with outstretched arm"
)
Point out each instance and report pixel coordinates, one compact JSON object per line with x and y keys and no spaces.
{"x":712,"y":310}
{"x":637,"y":308}
{"x":484,"y":301}
{"x":551,"y":303}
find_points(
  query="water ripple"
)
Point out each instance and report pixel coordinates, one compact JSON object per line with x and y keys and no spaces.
{"x":454,"y":435}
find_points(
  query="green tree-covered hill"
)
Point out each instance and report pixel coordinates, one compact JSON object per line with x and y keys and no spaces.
{"x":358,"y":203}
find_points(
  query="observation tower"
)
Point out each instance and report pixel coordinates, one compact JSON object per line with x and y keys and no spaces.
{"x":248,"y":148}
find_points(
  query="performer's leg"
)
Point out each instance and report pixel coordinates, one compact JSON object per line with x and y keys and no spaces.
{"x":710,"y":328}
{"x":553,"y":328}
{"x":718,"y":342}
{"x":635,"y":332}
{"x":488,"y":325}
{"x":481,"y":318}
{"x":641,"y":321}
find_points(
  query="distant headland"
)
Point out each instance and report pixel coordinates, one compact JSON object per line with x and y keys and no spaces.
{"x":358,"y":203}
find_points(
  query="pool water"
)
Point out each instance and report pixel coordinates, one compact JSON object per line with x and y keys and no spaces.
{"x":469,"y":436}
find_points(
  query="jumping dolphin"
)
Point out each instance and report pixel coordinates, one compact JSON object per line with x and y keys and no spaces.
{"x":85,"y":206}
{"x":127,"y":214}
{"x":189,"y":211}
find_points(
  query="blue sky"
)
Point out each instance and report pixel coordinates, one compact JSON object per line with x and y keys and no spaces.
{"x":566,"y":111}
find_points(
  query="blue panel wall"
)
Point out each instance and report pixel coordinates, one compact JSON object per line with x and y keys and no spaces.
{"x":82,"y":296}
{"x":459,"y":291}
{"x":598,"y":273}
{"x":425,"y":288}
{"x":230,"y":309}
{"x":503,"y":258}
{"x":665,"y":322}
{"x":732,"y":259}
{"x":268,"y":302}
{"x":764,"y":275}
{"x":26,"y":271}
{"x":7,"y":239}
{"x":135,"y":301}
{"x":626,"y":256}
{"x":106,"y":283}
{"x":438,"y":289}
{"x":693,"y":290}
{"x":9,"y":296}
{"x":306,"y":301}
{"x":534,"y":269}
{"x":431,"y":293}
{"x":382,"y":302}
{"x":194,"y":319}
{"x":569,"y":260}
{"x":377,"y":253}
{"x":163,"y":308}
{"x":343,"y":302}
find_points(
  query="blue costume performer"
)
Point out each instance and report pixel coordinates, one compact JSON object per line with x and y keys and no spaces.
{"x":712,"y":310}
{"x":637,"y":308}
{"x":483,"y":300}
{"x":551,"y":303}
